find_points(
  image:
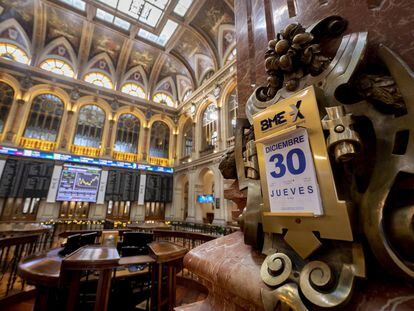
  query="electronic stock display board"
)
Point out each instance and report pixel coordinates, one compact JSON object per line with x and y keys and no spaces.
{"x":78,"y":183}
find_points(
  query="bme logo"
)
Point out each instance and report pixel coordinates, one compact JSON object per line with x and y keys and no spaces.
{"x":279,"y":118}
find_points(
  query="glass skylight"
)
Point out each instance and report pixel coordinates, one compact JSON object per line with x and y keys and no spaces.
{"x":146,"y":11}
{"x":182,"y":7}
{"x":164,"y":36}
{"x":77,"y":4}
{"x":108,"y":17}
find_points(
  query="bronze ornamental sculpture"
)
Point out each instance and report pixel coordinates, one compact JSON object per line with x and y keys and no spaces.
{"x":358,"y":122}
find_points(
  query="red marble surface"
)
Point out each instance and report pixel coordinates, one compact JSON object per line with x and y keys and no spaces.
{"x":231,"y":272}
{"x":387,"y":21}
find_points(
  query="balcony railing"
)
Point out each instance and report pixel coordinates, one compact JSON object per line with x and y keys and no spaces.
{"x":203,"y":228}
{"x":87,"y":151}
{"x":14,"y":247}
{"x":32,"y":143}
{"x":185,"y":159}
{"x":207,"y":150}
{"x":123,"y":156}
{"x":159,"y":161}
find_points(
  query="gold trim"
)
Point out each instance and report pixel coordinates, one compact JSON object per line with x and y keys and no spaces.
{"x":335,"y":210}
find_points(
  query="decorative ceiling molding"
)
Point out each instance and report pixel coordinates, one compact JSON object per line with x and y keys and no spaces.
{"x":210,"y":44}
{"x":187,"y":65}
{"x":123,"y":61}
{"x":89,"y":30}
{"x":85,"y":46}
{"x":199,"y":70}
{"x":11,"y":23}
{"x":159,"y":62}
{"x":39,"y":30}
{"x":137,"y":69}
{"x":225,"y":30}
{"x":161,"y":87}
{"x":59,"y":43}
{"x":101,"y":59}
{"x":183,"y":85}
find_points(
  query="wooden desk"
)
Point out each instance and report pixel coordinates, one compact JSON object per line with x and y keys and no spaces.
{"x":171,"y":255}
{"x":135,"y":260}
{"x":48,"y":270}
{"x":90,"y":257}
{"x":43,"y":271}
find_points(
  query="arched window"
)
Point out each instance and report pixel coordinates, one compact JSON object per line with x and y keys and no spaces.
{"x":210,"y":130}
{"x":187,"y":139}
{"x":133,"y":89}
{"x":58,"y":66}
{"x":160,"y":137}
{"x":99,"y":79}
{"x":207,"y":76}
{"x":14,"y":53}
{"x":232,"y":106}
{"x":231,"y":56}
{"x":44,"y":118}
{"x":127,"y":133}
{"x":89,"y":128}
{"x":6,"y":101}
{"x":163,"y":98}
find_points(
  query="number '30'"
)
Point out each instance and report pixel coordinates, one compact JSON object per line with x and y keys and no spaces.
{"x":282,"y":164}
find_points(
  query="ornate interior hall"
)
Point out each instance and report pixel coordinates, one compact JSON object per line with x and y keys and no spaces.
{"x":206,"y":155}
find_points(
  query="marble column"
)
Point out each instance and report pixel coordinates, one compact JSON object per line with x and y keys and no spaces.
{"x":64,"y":141}
{"x":145,"y":144}
{"x":174,"y":157}
{"x":257,"y":22}
{"x":191,"y":196}
{"x":195,"y":139}
{"x":13,"y":128}
{"x":219,"y":130}
{"x":219,"y":213}
{"x":108,"y":148}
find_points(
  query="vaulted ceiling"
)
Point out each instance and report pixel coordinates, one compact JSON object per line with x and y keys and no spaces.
{"x":127,"y":48}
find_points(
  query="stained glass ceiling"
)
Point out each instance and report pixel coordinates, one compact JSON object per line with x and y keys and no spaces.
{"x":148,"y":12}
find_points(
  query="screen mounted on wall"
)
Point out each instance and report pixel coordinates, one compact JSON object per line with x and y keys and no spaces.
{"x":78,"y":183}
{"x":205,"y":198}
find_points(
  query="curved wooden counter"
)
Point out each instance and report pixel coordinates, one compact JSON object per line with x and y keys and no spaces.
{"x":42,"y":269}
{"x":48,"y":271}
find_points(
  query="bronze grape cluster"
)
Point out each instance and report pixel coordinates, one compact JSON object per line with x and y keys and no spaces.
{"x":289,"y":57}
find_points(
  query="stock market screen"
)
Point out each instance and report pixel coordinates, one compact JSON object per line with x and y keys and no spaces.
{"x":78,"y":183}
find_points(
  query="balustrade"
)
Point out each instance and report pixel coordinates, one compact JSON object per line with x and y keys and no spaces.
{"x":32,"y":143}
{"x":13,"y":249}
{"x":123,"y":156}
{"x":159,"y":161}
{"x":86,"y":151}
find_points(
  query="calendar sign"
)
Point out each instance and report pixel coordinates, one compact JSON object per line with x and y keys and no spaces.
{"x":297,"y":183}
{"x":290,"y":173}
